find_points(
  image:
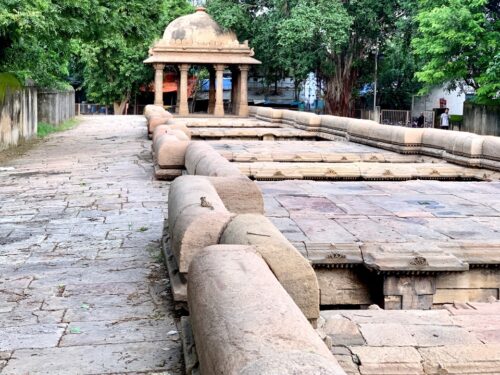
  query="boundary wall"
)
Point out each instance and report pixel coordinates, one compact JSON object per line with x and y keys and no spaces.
{"x":18,"y":117}
{"x":56,"y":106}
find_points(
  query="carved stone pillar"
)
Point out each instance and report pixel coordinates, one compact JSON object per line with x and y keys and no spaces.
{"x":159,"y":83}
{"x":211,"y":91}
{"x":219,"y":90}
{"x":243,"y":83}
{"x":235,"y":90}
{"x":183,"y":90}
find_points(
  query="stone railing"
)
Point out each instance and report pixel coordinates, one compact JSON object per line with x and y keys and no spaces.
{"x":56,"y":106}
{"x":262,"y":294}
{"x":18,"y":117}
{"x":457,"y":147}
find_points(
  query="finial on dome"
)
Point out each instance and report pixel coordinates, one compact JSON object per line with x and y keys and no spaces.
{"x":201,"y":9}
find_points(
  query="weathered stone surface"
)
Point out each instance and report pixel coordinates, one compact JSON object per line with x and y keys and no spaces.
{"x":244,"y":322}
{"x":151,"y":108}
{"x":342,"y":331}
{"x":158,"y":119}
{"x":170,"y":151}
{"x":196,"y":217}
{"x":117,"y":358}
{"x":239,"y":194}
{"x":289,"y":266}
{"x":201,"y":159}
{"x":80,"y":254}
{"x":478,"y":359}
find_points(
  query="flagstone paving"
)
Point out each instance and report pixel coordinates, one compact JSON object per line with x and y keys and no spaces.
{"x":82,"y":285}
{"x":309,"y":212}
{"x":462,"y":338}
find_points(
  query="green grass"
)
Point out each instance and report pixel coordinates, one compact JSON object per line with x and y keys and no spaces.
{"x":44,"y":129}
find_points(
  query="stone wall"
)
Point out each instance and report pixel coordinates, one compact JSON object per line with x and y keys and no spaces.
{"x":481,"y":119}
{"x":18,"y":117}
{"x":55,"y":106}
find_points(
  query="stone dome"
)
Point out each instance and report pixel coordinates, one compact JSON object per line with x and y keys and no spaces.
{"x":197,"y":29}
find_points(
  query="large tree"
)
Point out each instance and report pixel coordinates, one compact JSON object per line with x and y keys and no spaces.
{"x":35,"y":37}
{"x":333,"y":38}
{"x":113,"y":68}
{"x":459,"y":44}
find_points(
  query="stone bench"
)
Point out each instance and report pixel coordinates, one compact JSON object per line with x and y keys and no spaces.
{"x":490,"y":157}
{"x":291,"y":269}
{"x":156,"y":116}
{"x":268,"y":114}
{"x":202,"y":159}
{"x":244,"y":322}
{"x":169,"y":149}
{"x":333,"y":125}
{"x":198,"y":216}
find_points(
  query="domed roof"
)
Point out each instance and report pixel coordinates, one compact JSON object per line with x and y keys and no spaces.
{"x":198,"y":39}
{"x":197,"y":29}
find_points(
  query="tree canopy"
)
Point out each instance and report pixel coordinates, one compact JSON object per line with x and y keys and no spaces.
{"x":459,"y":44}
{"x":105,"y":41}
{"x":452,"y":42}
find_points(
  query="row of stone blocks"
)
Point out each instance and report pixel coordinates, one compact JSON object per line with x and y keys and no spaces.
{"x":251,"y":294}
{"x":457,"y":147}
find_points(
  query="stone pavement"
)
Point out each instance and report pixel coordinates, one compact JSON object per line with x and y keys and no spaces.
{"x":310,"y":212}
{"x":82,"y":285}
{"x":460,"y":339}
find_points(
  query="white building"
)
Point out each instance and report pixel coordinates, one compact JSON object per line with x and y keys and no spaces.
{"x":454,"y":101}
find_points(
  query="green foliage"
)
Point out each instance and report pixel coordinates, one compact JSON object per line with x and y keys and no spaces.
{"x":397,"y":65}
{"x":172,"y":9}
{"x":104,"y":42}
{"x":458,"y":42}
{"x":313,"y":34}
{"x":8,"y":82}
{"x":44,"y":129}
{"x":34,"y":37}
{"x":232,"y":15}
{"x":113,"y":68}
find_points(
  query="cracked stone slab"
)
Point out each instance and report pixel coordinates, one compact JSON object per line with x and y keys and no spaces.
{"x":154,"y":356}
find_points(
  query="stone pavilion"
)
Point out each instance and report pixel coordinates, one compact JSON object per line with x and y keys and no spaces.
{"x":196,"y":39}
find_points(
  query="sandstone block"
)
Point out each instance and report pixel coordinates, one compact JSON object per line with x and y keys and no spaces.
{"x":291,"y":269}
{"x":269,"y":114}
{"x":288,"y":117}
{"x":159,"y":131}
{"x":158,"y":119}
{"x":252,"y":110}
{"x":435,"y":141}
{"x":196,"y":217}
{"x":170,"y":151}
{"x":245,"y":323}
{"x":202,"y":159}
{"x":307,"y":120}
{"x":490,"y":157}
{"x":461,"y":359}
{"x":336,"y":123}
{"x":151,"y":108}
{"x":239,"y":194}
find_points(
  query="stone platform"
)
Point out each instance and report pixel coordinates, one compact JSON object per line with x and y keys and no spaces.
{"x":459,"y":339}
{"x":368,"y":239}
{"x":339,"y":151}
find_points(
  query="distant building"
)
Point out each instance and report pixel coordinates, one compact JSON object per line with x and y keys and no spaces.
{"x":440,"y":97}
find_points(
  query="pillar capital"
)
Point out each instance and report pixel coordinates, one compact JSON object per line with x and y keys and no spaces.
{"x":159,"y":66}
{"x":184,"y":67}
{"x":219,"y":67}
{"x":243,"y":67}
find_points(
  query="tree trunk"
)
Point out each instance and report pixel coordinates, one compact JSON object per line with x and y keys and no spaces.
{"x":119,"y":106}
{"x":339,"y":86}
